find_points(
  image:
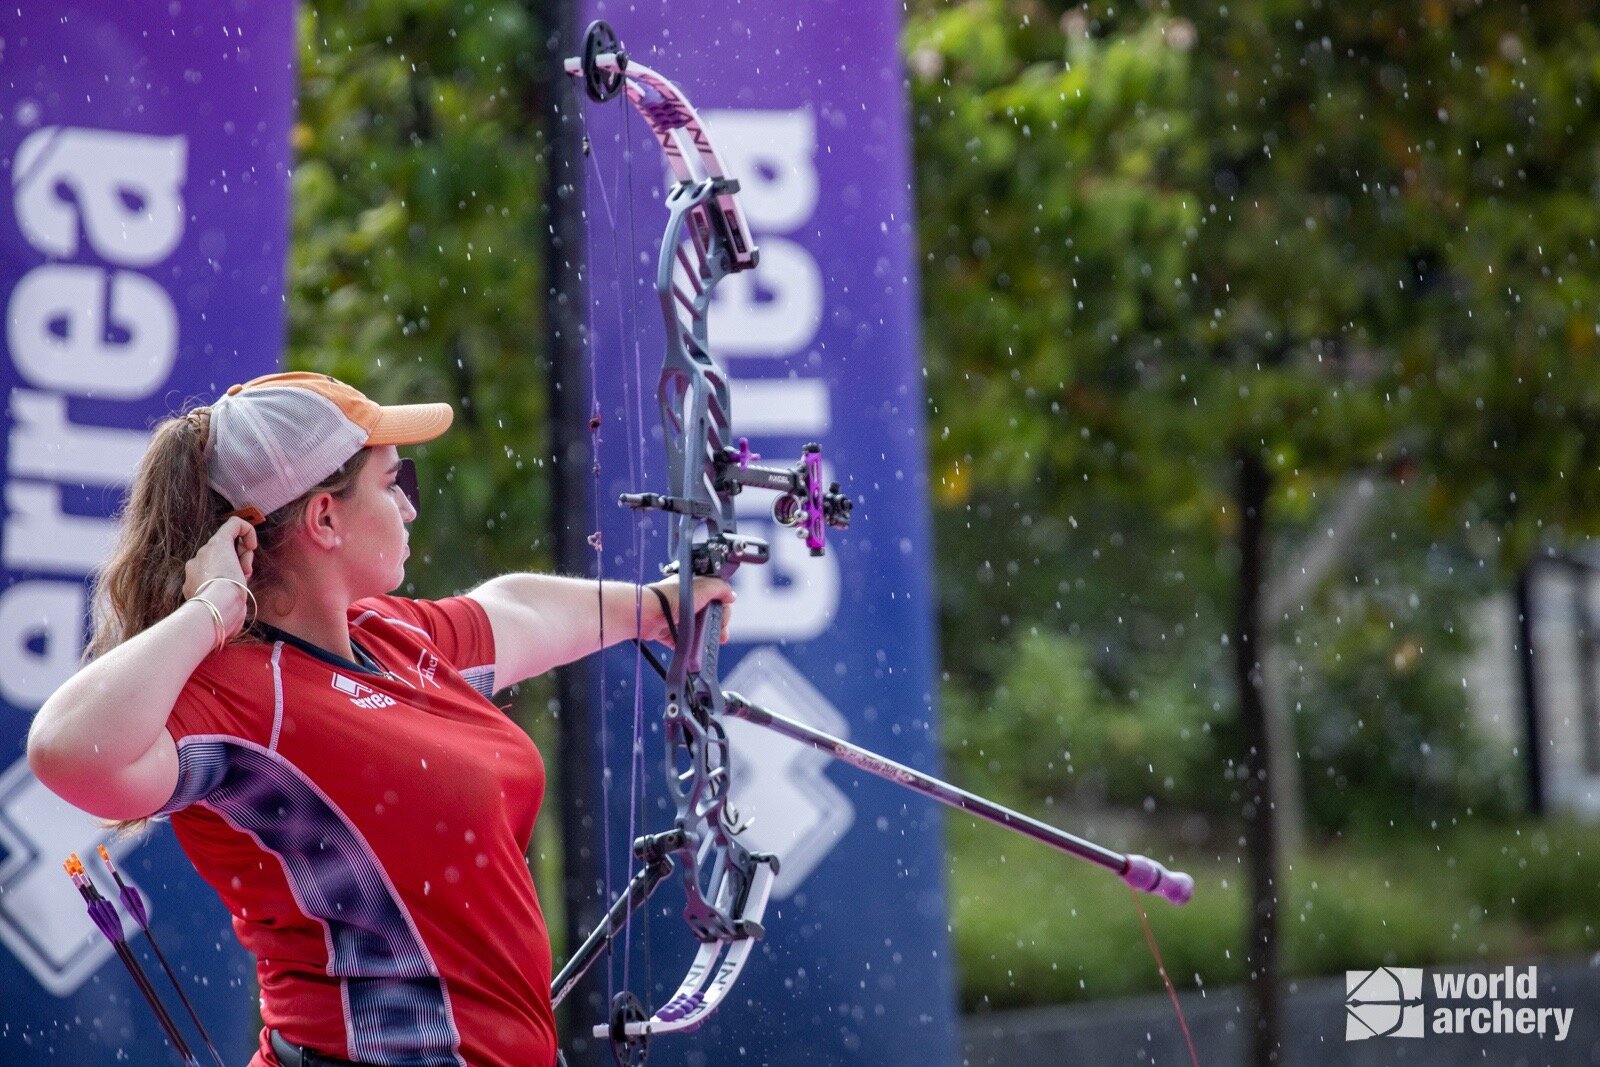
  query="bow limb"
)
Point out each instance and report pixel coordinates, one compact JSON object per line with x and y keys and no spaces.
{"x":678,"y":129}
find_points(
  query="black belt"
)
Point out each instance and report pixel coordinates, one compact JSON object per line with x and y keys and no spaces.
{"x":295,"y":1056}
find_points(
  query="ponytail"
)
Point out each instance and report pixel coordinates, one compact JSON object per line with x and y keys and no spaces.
{"x":171,"y":512}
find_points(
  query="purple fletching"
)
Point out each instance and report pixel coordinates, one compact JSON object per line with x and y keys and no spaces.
{"x":104,"y":914}
{"x":135,"y":905}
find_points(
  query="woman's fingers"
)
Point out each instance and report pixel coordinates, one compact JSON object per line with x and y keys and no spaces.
{"x":245,"y":546}
{"x":228,"y":553}
{"x":706,"y":591}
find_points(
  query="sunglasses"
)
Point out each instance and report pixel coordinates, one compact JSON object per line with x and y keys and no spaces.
{"x":406,"y":479}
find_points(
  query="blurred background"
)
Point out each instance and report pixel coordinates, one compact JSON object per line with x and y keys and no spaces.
{"x":1262,"y":358}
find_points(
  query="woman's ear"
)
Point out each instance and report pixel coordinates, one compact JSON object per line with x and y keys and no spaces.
{"x":319,"y":524}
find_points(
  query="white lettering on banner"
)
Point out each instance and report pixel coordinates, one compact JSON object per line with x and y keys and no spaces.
{"x":797,"y":406}
{"x":78,"y":329}
{"x":771,"y":152}
{"x":125,"y":190}
{"x":58,"y":319}
{"x":45,"y":443}
{"x":91,"y":328}
{"x":774,"y":312}
{"x":41,"y":639}
{"x":42,"y":536}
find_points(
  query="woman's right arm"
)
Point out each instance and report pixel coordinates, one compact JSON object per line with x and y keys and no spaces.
{"x":100,"y":742}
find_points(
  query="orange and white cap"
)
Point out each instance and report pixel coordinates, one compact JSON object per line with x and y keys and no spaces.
{"x":278,"y":437}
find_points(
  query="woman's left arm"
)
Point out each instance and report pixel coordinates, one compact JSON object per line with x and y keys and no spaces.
{"x":542,"y":621}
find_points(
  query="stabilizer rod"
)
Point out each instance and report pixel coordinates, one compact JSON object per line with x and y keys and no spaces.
{"x":1140,"y":872}
{"x":657,"y":865}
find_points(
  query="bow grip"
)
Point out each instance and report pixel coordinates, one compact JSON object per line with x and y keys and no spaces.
{"x":707,"y":646}
{"x":1148,"y":876}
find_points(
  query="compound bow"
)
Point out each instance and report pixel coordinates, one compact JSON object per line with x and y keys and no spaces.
{"x":725,"y":884}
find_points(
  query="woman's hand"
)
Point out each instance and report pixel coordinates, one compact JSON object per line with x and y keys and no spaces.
{"x":657,"y":624}
{"x":229,"y":554}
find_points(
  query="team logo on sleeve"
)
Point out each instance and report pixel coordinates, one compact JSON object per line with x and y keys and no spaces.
{"x":427,"y":667}
{"x":360,"y":695}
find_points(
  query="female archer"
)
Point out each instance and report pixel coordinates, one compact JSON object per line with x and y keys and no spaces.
{"x":327,"y":752}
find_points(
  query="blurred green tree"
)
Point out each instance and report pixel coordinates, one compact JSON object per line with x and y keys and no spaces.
{"x":1231,"y":262}
{"x":417,"y":255}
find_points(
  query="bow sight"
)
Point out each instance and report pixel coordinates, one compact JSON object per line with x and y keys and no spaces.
{"x":804,"y":505}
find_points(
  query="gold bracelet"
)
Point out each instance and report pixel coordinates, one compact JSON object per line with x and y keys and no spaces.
{"x":255,"y":610}
{"x":216,"y":617}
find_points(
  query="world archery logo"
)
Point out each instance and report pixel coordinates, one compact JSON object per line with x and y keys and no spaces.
{"x":1386,"y":1002}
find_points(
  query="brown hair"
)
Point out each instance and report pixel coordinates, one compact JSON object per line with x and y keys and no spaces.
{"x":170,"y":513}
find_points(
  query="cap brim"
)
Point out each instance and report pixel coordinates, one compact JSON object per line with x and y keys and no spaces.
{"x":410,"y":424}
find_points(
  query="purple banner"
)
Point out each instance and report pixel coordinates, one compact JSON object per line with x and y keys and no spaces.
{"x":807,"y":104}
{"x":142,"y":253}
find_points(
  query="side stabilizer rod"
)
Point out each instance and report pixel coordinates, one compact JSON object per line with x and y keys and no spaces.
{"x":1140,"y":872}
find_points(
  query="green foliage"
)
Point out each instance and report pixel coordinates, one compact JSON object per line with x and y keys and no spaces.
{"x":1065,"y":634}
{"x":1052,"y":731}
{"x":1545,"y":875}
{"x":1326,"y":233}
{"x":1032,"y":928}
{"x":1376,"y":670}
{"x":416,"y":262}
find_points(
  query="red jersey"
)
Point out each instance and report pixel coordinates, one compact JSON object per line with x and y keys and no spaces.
{"x":366,"y":825}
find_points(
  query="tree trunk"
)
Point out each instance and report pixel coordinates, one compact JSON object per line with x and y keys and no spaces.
{"x":1261,"y":951}
{"x":1528,"y":662}
{"x":1286,"y":795}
